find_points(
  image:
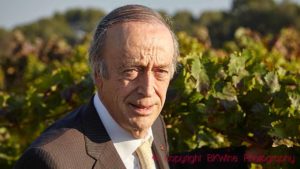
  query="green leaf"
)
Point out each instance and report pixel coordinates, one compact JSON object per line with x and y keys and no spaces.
{"x":199,"y":73}
{"x":271,"y":79}
{"x":237,"y":68}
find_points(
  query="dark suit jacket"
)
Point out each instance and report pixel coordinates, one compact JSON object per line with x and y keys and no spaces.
{"x":80,"y":141}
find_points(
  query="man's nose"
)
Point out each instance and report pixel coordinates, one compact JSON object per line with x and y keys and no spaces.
{"x":146,"y":84}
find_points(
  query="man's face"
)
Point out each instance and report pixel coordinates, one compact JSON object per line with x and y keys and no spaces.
{"x":138,"y":57}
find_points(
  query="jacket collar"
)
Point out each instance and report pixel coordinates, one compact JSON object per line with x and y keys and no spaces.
{"x":159,"y":146}
{"x":97,"y":141}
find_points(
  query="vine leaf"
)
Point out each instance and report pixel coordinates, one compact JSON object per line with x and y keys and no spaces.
{"x":199,"y":73}
{"x":271,"y":79}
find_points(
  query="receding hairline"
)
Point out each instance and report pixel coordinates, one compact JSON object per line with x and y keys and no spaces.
{"x":124,"y":14}
{"x":158,"y":23}
{"x":116,"y":33}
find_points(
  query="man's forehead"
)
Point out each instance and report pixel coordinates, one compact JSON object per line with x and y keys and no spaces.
{"x":130,"y":35}
{"x":134,"y":45}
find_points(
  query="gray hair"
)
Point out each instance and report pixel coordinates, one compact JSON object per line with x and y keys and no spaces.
{"x":123,"y":14}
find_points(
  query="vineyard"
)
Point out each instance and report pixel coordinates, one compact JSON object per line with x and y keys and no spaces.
{"x":245,"y":93}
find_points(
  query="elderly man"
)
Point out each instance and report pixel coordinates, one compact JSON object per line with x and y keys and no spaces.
{"x":132,"y":58}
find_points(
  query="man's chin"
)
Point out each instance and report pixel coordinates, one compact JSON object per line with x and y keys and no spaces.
{"x":139,"y":134}
{"x":140,"y":129}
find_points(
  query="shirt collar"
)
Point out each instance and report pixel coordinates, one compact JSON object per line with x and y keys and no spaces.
{"x":123,"y":141}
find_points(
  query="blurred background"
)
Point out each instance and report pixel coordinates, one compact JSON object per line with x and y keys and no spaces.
{"x":238,"y":80}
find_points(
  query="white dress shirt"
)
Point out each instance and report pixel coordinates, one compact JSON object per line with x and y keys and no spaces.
{"x":123,"y":141}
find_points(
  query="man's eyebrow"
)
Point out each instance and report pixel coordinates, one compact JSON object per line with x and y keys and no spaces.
{"x":163,"y":66}
{"x":133,"y":62}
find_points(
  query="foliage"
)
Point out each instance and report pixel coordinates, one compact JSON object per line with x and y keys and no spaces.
{"x":249,"y":97}
{"x":245,"y":93}
{"x":267,"y":17}
{"x":71,"y":25}
{"x":48,"y":92}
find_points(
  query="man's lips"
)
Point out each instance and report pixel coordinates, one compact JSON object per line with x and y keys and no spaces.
{"x":142,"y":109}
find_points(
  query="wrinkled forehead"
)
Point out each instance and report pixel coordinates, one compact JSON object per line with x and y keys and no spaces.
{"x":127,"y":33}
{"x":140,"y":41}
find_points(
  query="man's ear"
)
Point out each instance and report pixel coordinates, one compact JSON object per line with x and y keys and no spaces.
{"x":98,"y":81}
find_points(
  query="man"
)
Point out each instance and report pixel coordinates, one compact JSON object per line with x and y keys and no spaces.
{"x":132,"y":58}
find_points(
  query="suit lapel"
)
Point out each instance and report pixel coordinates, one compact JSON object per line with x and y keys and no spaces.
{"x":98,"y":143}
{"x":159,"y":147}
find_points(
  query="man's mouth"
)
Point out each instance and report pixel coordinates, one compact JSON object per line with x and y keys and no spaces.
{"x":141,"y":109}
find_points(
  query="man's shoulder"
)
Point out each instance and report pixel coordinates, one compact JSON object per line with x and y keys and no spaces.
{"x":70,"y":126}
{"x":61,"y":145}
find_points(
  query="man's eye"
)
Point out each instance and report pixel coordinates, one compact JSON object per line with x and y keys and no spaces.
{"x":161,"y":73}
{"x":130,"y":73}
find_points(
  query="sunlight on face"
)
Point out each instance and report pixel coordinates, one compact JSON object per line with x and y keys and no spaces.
{"x":138,"y":56}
